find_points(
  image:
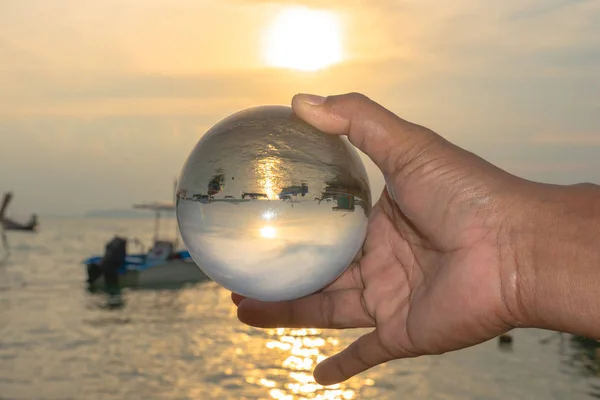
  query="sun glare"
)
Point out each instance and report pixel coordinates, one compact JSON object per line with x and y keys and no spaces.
{"x":304,"y":39}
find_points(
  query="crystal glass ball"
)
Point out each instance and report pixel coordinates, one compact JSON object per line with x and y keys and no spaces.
{"x":270,"y":207}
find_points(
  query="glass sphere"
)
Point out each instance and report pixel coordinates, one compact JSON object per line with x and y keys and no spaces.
{"x":270,"y":207}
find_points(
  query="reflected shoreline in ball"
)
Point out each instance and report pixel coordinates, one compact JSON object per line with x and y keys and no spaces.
{"x":271,"y":208}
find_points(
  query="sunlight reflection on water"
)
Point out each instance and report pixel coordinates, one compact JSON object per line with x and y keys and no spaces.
{"x":301,"y":350}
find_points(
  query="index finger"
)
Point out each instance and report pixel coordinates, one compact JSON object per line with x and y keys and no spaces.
{"x":335,"y":309}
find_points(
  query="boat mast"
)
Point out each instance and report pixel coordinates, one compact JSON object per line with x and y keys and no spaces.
{"x":158,"y":207}
{"x":5,"y":202}
{"x":156,"y":225}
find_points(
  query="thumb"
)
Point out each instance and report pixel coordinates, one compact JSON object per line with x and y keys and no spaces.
{"x":388,"y":140}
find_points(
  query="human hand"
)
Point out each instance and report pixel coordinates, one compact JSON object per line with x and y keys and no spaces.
{"x":436,"y":272}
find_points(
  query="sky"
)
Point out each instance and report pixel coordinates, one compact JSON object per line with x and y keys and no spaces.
{"x":101,"y":102}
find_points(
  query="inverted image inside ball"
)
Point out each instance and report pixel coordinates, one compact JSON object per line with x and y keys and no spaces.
{"x":270,"y":207}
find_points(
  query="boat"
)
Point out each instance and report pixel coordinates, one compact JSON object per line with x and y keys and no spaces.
{"x":162,"y":265}
{"x":346,"y":198}
{"x":5,"y":250}
{"x":11,"y":225}
{"x":287,"y":192}
{"x":30,"y":226}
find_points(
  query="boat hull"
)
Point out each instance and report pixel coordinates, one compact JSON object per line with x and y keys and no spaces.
{"x":10,"y":225}
{"x":169,"y":273}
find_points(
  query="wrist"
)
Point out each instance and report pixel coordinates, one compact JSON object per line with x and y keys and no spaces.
{"x":556,"y":241}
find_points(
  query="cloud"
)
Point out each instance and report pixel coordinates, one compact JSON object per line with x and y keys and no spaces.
{"x":98,"y":94}
{"x":511,"y":47}
{"x":334,"y":4}
{"x":567,"y":139}
{"x":547,"y":168}
{"x":541,"y":9}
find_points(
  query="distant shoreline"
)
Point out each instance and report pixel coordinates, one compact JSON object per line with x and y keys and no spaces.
{"x":125,"y":214}
{"x":111,"y":214}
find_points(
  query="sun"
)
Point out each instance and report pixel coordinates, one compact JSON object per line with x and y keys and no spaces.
{"x":304,"y":39}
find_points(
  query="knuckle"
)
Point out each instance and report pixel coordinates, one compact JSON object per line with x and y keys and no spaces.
{"x":327,"y":309}
{"x":291,"y":315}
{"x":352,"y":100}
{"x":356,"y":98}
{"x":358,"y":354}
{"x":414,"y":157}
{"x":343,"y":370}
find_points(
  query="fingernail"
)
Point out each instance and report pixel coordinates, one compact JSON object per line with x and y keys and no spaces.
{"x":312,"y":99}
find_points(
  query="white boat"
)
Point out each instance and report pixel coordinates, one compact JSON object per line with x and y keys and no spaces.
{"x":163,"y":265}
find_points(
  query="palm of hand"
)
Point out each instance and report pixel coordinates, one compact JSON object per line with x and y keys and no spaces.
{"x":425,"y":293}
{"x":432,"y":294}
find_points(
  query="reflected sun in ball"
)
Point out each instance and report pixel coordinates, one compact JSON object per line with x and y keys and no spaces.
{"x":268,"y":232}
{"x":304,"y":39}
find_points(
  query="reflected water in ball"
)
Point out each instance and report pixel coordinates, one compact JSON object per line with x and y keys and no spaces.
{"x":271,"y":208}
